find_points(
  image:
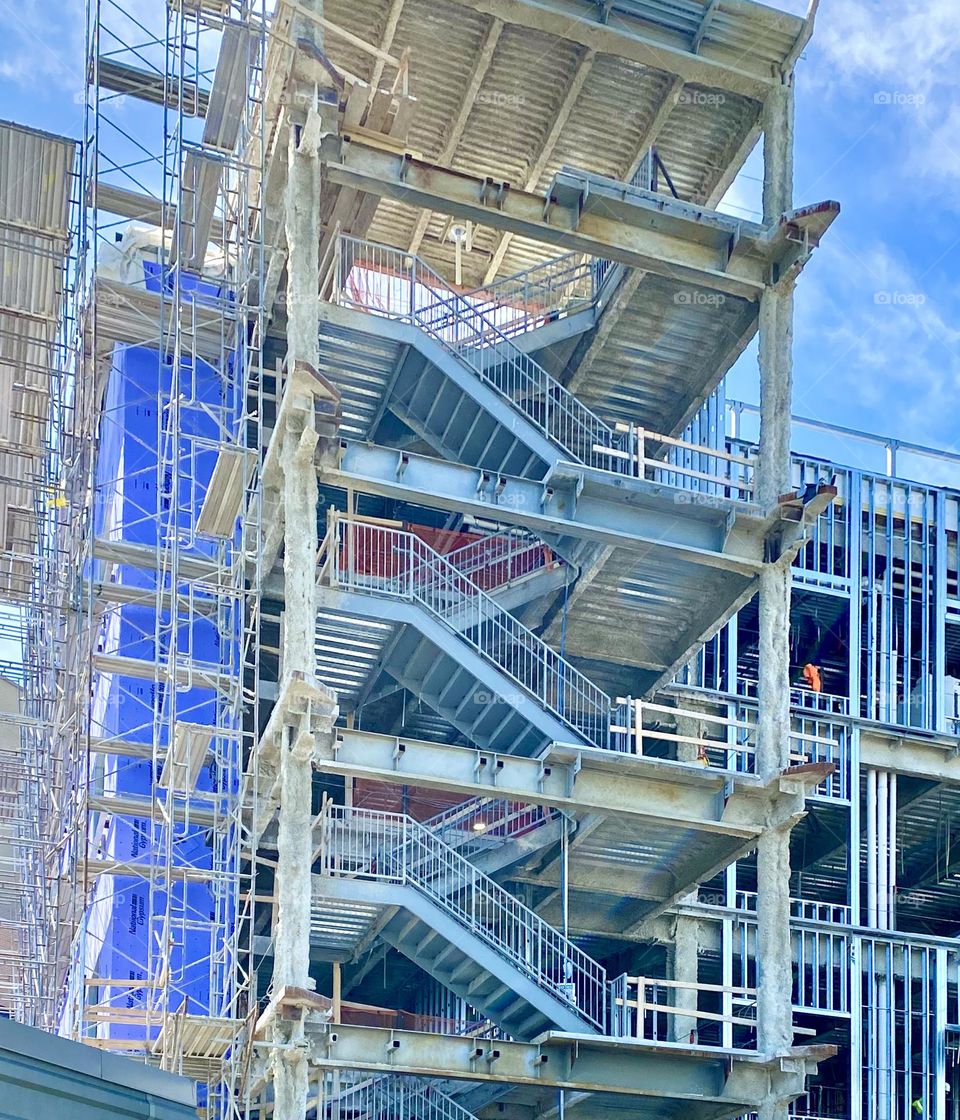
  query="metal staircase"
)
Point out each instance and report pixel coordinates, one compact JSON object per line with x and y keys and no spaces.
{"x":454,"y":645}
{"x":393,"y":1097}
{"x":513,"y":567}
{"x":449,"y":366}
{"x":458,"y":925}
{"x":481,"y":823}
{"x":445,"y":410}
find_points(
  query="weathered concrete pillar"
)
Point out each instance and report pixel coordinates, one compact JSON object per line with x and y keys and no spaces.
{"x":776,"y":304}
{"x":774,"y":1010}
{"x":689,"y":727}
{"x":300,"y":500}
{"x":685,"y":966}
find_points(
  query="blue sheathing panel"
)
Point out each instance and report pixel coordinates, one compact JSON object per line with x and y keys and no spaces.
{"x":138,"y":502}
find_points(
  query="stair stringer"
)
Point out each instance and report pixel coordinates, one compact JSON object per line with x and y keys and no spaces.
{"x":554,"y":1011}
{"x":488,"y":676}
{"x":462,"y":374}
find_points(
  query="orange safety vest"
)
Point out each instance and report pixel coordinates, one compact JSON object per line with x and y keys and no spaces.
{"x":811,"y":674}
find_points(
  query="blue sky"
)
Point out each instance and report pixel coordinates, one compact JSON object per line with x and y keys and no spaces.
{"x":878,"y":129}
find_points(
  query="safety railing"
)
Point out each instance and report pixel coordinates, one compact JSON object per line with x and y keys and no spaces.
{"x":477,"y":328}
{"x":813,"y":739}
{"x":389,"y":282}
{"x":658,"y":1010}
{"x":392,"y":847}
{"x":804,"y":909}
{"x":700,"y":737}
{"x":826,"y":702}
{"x":373,"y":557}
{"x":528,"y":299}
{"x":483,"y":822}
{"x":727,"y":739}
{"x":501,"y":559}
{"x":679,"y":463}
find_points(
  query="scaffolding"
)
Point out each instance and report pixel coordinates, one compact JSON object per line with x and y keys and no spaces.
{"x":533,"y":830}
{"x":39,"y":216}
{"x":141,"y":691}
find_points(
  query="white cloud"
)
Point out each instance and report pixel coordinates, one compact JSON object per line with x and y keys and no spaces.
{"x":877,"y":345}
{"x":40,"y":51}
{"x":896,"y":67}
{"x":907,"y":42}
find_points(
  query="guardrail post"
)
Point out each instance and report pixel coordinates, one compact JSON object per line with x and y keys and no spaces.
{"x":638,"y":726}
{"x":412,"y":297}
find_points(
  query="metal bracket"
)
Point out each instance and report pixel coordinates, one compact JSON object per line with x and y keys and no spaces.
{"x":573,"y":769}
{"x":493,"y":193}
{"x":543,"y":772}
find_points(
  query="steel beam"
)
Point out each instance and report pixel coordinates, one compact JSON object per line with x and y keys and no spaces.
{"x":918,"y":754}
{"x":582,"y":503}
{"x":577,"y":779}
{"x":602,"y":217}
{"x":581,"y":1063}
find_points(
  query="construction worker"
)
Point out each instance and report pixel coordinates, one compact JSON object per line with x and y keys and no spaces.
{"x":811,"y":674}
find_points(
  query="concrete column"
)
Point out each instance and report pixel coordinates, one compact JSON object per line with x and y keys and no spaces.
{"x":291,"y":1077}
{"x":774,"y":953}
{"x":302,"y":228}
{"x":294,"y":839}
{"x":294,"y":849}
{"x":690,"y":728}
{"x":776,"y":392}
{"x":300,"y":501}
{"x":685,"y":968}
{"x":777,"y":123}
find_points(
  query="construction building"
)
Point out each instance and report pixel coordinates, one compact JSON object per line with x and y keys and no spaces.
{"x":439,"y":700}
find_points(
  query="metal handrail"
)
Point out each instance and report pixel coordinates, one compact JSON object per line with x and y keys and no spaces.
{"x":529,"y":298}
{"x":413,"y":292}
{"x":501,"y":559}
{"x":641,"y":1007}
{"x":392,"y":847}
{"x":375,"y":558}
{"x":472,"y":825}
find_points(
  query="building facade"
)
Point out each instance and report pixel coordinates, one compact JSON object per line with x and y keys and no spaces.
{"x":452,"y":703}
